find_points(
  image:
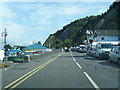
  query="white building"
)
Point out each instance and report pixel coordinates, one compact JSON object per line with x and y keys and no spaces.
{"x":104,"y":36}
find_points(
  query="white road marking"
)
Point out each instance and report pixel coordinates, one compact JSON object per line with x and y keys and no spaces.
{"x":74,"y":59}
{"x":93,"y":83}
{"x":71,"y":54}
{"x":78,"y":65}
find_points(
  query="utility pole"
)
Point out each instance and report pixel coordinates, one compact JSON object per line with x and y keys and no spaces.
{"x":4,"y":35}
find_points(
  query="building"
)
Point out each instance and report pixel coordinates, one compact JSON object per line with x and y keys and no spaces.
{"x":104,"y":36}
{"x":35,"y":47}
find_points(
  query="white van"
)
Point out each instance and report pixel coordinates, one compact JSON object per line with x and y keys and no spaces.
{"x":102,"y":50}
{"x":1,"y":55}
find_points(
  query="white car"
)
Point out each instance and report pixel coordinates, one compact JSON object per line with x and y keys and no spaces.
{"x":102,"y":50}
{"x":82,"y":49}
{"x":114,"y":54}
{"x":92,"y":53}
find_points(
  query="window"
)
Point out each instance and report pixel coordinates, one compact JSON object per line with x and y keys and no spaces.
{"x":106,"y":45}
{"x":112,"y":49}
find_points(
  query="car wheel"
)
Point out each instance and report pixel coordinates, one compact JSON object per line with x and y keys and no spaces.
{"x":110,"y":60}
{"x":118,"y":61}
{"x":100,"y":57}
{"x":26,"y":61}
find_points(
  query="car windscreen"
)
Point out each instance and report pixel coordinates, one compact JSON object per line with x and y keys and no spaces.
{"x":106,"y":46}
{"x":82,"y":47}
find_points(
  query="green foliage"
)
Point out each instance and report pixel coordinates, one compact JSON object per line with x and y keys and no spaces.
{"x":75,"y":33}
{"x":39,"y":43}
{"x":58,"y":43}
{"x":7,"y":47}
{"x":67,"y":42}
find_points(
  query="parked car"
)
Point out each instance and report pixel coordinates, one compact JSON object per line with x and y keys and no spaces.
{"x":89,"y":51}
{"x":102,"y":50}
{"x":114,"y":55}
{"x":66,"y":49}
{"x":82,"y":49}
{"x":92,"y":52}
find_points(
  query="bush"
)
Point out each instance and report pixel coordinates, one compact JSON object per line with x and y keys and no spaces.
{"x":4,"y":65}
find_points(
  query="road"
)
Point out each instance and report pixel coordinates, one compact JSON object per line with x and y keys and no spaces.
{"x":63,"y":70}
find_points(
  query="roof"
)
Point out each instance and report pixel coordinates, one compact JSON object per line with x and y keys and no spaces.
{"x":35,"y":46}
{"x":12,"y":51}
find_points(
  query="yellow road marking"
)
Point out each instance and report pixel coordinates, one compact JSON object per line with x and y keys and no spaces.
{"x":31,"y":73}
{"x":27,"y":77}
{"x":23,"y":76}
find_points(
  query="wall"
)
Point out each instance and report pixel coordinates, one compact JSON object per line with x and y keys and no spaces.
{"x":106,"y":38}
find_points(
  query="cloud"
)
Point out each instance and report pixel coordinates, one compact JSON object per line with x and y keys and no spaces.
{"x":6,"y":12}
{"x":69,"y":11}
{"x":26,"y":22}
{"x":81,"y":8}
{"x":57,"y":0}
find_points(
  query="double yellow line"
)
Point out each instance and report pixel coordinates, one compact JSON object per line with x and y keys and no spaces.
{"x":29,"y":74}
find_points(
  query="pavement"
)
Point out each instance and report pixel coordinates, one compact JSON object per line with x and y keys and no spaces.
{"x":63,"y":70}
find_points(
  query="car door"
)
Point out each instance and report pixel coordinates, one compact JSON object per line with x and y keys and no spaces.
{"x":97,"y":50}
{"x":116,"y":54}
{"x":111,"y":54}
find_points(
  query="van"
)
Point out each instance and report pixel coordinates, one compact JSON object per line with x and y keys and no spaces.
{"x":102,"y":50}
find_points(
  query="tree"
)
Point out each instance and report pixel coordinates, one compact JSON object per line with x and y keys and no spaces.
{"x":67,"y":42}
{"x":39,"y":42}
{"x":7,"y":47}
{"x":58,"y":43}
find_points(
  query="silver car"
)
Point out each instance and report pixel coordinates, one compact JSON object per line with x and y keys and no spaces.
{"x":114,"y":54}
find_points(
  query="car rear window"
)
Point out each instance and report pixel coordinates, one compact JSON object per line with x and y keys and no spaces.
{"x":106,"y":46}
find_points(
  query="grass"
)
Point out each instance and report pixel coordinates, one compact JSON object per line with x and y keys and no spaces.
{"x":3,"y":65}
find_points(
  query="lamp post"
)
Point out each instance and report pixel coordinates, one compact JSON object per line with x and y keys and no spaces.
{"x":4,"y":35}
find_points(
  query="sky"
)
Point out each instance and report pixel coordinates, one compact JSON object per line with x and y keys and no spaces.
{"x":28,"y":22}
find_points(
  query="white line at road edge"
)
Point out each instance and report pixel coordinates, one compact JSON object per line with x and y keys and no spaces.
{"x":78,"y":65}
{"x":93,"y":83}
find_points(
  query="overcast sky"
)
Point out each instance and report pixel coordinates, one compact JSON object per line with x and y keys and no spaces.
{"x":35,"y":21}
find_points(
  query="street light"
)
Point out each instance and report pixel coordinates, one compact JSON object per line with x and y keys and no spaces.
{"x":4,"y":34}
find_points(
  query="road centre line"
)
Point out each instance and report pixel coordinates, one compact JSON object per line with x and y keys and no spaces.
{"x":78,"y":64}
{"x":93,"y":83}
{"x":74,"y":59}
{"x":71,"y":54}
{"x":27,"y":77}
{"x":31,"y":73}
{"x":89,"y":78}
{"x":24,"y":75}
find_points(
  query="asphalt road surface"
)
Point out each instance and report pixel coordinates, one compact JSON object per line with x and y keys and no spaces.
{"x":63,"y":70}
